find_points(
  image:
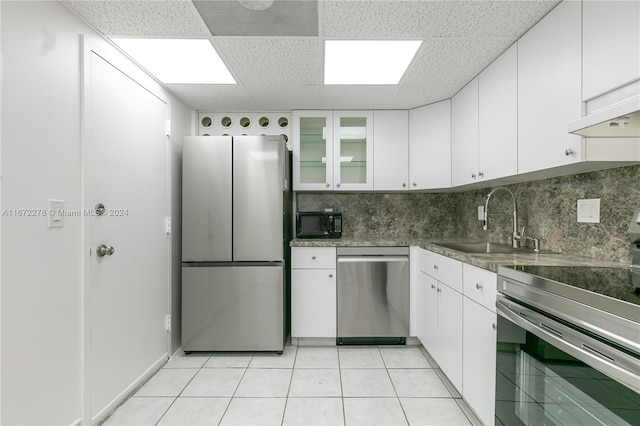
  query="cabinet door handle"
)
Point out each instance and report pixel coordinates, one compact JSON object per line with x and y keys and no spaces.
{"x":473,"y":175}
{"x":493,"y":325}
{"x":435,"y":267}
{"x":415,"y":184}
{"x":330,"y":275}
{"x":404,"y":184}
{"x":439,"y":289}
{"x":338,"y":185}
{"x":327,"y":184}
{"x":479,"y":286}
{"x":568,"y":152}
{"x":480,"y":174}
{"x":313,"y":258}
{"x":433,"y":286}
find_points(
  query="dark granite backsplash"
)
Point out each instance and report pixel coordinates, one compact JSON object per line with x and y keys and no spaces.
{"x":546,"y":208}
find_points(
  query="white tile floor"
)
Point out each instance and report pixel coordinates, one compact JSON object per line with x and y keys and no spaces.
{"x":351,"y":385}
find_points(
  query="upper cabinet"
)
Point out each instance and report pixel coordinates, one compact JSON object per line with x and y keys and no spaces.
{"x":353,"y":150}
{"x":312,"y":150}
{"x":464,"y":135}
{"x":391,"y":134}
{"x":332,"y":150}
{"x":498,"y":117}
{"x":549,"y":90}
{"x":430,"y":146}
{"x":610,"y":45}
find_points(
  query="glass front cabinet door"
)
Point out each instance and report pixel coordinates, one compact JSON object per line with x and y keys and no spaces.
{"x":353,"y":150}
{"x":312,"y":150}
{"x":332,"y":150}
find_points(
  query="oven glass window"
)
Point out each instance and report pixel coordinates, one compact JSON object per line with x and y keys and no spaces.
{"x":538,"y":384}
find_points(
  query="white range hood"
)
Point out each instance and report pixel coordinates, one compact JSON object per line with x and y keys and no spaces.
{"x":615,"y":114}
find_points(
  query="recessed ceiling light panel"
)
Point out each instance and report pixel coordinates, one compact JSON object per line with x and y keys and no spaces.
{"x":178,"y":61}
{"x":367,"y":61}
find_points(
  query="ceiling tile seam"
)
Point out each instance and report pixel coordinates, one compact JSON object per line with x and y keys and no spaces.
{"x":226,"y":62}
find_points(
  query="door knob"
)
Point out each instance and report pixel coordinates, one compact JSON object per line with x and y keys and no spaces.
{"x":103,"y":250}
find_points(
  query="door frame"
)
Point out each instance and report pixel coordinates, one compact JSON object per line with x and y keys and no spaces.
{"x":123,"y":64}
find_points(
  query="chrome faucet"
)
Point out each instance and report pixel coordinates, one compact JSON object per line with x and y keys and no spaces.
{"x":515,"y":236}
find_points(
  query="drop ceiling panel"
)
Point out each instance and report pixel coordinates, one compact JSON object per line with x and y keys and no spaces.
{"x":381,"y":19}
{"x":282,"y":18}
{"x":450,"y":63}
{"x":273,"y":61}
{"x":358,"y":97}
{"x":213,"y":98}
{"x":165,"y":18}
{"x":286,"y":98}
{"x":491,"y":18}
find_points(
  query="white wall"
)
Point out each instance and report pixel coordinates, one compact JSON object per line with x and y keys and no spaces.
{"x":41,"y":287}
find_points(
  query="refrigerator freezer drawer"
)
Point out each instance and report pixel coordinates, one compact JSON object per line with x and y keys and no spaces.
{"x":232,"y":308}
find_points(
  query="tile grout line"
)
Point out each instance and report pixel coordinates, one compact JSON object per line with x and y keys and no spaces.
{"x":236,"y":389}
{"x":344,"y":412}
{"x":180,"y":393}
{"x":286,"y":400}
{"x":394,"y":387}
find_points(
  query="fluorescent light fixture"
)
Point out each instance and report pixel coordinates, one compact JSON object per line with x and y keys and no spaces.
{"x":176,"y":61}
{"x":367,"y":61}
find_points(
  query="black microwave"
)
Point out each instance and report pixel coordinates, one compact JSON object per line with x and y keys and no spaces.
{"x":318,"y":225}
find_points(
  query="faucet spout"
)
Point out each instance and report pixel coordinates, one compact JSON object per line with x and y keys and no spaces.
{"x":515,"y":236}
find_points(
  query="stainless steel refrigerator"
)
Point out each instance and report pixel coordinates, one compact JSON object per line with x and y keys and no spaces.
{"x":236,"y":222}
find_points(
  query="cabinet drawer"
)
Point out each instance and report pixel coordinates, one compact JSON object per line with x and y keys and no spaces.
{"x":442,"y":268}
{"x":313,"y":257}
{"x":480,"y":286}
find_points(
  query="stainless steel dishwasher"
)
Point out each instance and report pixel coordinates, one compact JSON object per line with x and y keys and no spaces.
{"x":373,"y":295}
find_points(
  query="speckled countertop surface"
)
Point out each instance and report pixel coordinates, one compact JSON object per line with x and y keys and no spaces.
{"x":489,"y":261}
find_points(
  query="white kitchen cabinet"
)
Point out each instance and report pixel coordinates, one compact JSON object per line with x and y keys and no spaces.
{"x":464,"y":135}
{"x":332,"y":150}
{"x":391,"y":153}
{"x":441,"y":312}
{"x":480,"y":285}
{"x":479,"y":359}
{"x":549,"y":90}
{"x":498,"y":117}
{"x":312,"y":150}
{"x":313,"y":292}
{"x":479,"y":340}
{"x":610,"y":45}
{"x":353,"y":150}
{"x":430,"y":146}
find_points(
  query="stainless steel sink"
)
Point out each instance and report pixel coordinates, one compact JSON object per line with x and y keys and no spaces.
{"x":480,"y":247}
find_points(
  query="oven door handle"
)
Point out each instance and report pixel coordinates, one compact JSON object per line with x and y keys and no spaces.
{"x":621,"y":367}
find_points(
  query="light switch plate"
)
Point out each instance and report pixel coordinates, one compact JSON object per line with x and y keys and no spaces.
{"x":55,"y":213}
{"x":480,"y":212}
{"x":589,"y":210}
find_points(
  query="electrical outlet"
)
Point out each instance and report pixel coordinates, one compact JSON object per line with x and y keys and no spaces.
{"x":589,"y":210}
{"x":480,"y":212}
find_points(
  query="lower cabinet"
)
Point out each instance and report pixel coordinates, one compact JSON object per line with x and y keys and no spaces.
{"x":479,"y":360}
{"x":439,"y":315}
{"x":313,"y":292}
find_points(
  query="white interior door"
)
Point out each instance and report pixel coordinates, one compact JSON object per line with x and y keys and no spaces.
{"x":129,"y":288}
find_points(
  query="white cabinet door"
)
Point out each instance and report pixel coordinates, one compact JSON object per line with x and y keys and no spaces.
{"x":464,"y":135}
{"x":391,"y":153}
{"x":611,"y":45}
{"x":450,"y":334}
{"x":313,"y":303}
{"x":353,"y":150}
{"x":498,"y":117}
{"x":479,"y":360}
{"x":549,"y":90}
{"x":430,"y":146}
{"x":312,"y":150}
{"x":480,"y":285}
{"x":427,"y":313}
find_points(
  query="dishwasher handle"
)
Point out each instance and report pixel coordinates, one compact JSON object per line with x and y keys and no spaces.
{"x":370,"y":259}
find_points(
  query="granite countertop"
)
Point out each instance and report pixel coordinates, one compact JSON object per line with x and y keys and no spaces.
{"x":489,"y":261}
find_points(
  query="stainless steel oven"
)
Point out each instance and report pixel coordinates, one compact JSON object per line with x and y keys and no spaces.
{"x":568,"y":346}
